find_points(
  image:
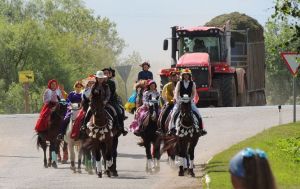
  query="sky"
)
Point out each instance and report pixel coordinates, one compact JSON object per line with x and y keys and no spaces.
{"x":145,"y":24}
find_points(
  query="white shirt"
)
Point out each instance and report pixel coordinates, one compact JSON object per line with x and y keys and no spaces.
{"x":51,"y":96}
{"x":87,"y":92}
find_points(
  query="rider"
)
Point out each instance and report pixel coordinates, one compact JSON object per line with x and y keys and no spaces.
{"x":185,"y":86}
{"x":99,"y":87}
{"x":145,"y":74}
{"x":151,"y":92}
{"x":88,"y":83}
{"x":51,"y":97}
{"x":168,"y":95}
{"x":114,"y":99}
{"x":73,"y":97}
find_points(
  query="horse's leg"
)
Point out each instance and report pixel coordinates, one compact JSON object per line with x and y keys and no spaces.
{"x":50,"y":158}
{"x":97,"y":154}
{"x":114,"y":155}
{"x":149,"y":163}
{"x":53,"y":151}
{"x":65,"y":152}
{"x":80,"y":153}
{"x":156,"y":152}
{"x":43,"y":144}
{"x":191,"y":152}
{"x":182,"y":143}
{"x":108,"y":156}
{"x":72,"y":154}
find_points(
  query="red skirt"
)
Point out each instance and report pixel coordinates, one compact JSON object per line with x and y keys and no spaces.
{"x":43,"y":121}
{"x":77,"y":124}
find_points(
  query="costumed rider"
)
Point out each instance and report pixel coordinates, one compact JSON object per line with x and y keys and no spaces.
{"x":51,"y":97}
{"x":141,"y":113}
{"x":86,"y":94}
{"x":73,"y":97}
{"x":168,"y":96}
{"x":145,"y":74}
{"x":185,"y":87}
{"x":113,"y":101}
{"x":100,"y":87}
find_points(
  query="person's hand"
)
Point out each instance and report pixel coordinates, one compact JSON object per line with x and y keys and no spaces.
{"x":174,"y":100}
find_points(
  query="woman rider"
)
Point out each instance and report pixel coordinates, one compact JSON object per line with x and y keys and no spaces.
{"x":185,"y":86}
{"x":51,"y":97}
{"x":151,"y":92}
{"x":113,"y":101}
{"x":73,"y":97}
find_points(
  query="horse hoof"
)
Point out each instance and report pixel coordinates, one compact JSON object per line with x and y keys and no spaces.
{"x":115,"y":173}
{"x":99,"y":175}
{"x":79,"y":171}
{"x":45,"y":166}
{"x":64,"y":161}
{"x":54,"y":165}
{"x":181,"y":173}
{"x":191,"y":172}
{"x":108,"y":174}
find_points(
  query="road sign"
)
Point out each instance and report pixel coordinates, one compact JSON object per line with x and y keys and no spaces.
{"x":26,"y":76}
{"x":292,"y":60}
{"x":124,"y":71}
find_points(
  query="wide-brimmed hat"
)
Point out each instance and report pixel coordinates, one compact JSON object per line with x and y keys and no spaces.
{"x":173,"y":73}
{"x":145,"y":63}
{"x":100,"y":74}
{"x":186,"y":71}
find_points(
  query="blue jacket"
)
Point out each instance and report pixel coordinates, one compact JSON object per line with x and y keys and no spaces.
{"x":144,"y":75}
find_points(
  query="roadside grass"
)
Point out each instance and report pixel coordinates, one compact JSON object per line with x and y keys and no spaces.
{"x":282,"y":145}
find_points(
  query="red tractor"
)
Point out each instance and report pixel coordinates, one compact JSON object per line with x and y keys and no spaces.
{"x":227,"y":72}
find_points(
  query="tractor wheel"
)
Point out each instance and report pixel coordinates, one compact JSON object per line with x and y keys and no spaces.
{"x":228,"y":91}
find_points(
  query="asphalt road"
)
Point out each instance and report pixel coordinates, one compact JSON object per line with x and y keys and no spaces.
{"x":21,"y":164}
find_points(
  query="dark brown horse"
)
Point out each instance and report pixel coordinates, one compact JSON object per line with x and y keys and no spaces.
{"x":150,"y":137}
{"x":50,"y":135}
{"x":185,"y":140}
{"x":100,"y":132}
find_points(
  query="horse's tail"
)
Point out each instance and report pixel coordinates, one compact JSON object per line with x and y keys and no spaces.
{"x":170,"y":142}
{"x":38,"y":141}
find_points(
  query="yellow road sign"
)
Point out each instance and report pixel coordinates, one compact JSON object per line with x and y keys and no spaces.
{"x":26,"y":76}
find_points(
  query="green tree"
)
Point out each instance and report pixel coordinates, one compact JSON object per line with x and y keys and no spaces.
{"x":289,"y":10}
{"x":278,"y":78}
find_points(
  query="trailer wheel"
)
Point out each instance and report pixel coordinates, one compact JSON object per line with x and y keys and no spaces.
{"x":228,"y":91}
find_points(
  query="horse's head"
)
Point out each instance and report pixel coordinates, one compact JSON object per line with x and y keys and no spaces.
{"x":153,"y":108}
{"x":61,"y":108}
{"x":186,"y":109}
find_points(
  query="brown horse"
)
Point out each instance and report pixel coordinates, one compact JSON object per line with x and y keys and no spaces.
{"x":150,"y":137}
{"x":101,"y":133}
{"x":50,"y":135}
{"x":185,"y":140}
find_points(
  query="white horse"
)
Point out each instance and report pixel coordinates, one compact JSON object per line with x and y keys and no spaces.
{"x":71,"y":142}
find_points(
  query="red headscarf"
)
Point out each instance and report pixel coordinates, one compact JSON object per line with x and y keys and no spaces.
{"x":52,"y":81}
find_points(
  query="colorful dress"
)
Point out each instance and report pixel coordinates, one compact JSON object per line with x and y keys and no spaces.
{"x":50,"y":100}
{"x":142,"y":112}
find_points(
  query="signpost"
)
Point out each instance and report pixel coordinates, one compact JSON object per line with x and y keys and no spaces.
{"x":124,"y":71}
{"x":292,"y":60}
{"x":26,"y":77}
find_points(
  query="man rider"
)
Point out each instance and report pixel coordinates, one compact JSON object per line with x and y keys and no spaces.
{"x":185,"y":86}
{"x":114,"y":99}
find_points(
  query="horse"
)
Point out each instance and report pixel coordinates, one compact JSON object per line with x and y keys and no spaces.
{"x":187,"y":136}
{"x":149,"y":136}
{"x":100,"y":132}
{"x":75,"y":108}
{"x":50,"y":135}
{"x":163,"y":123}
